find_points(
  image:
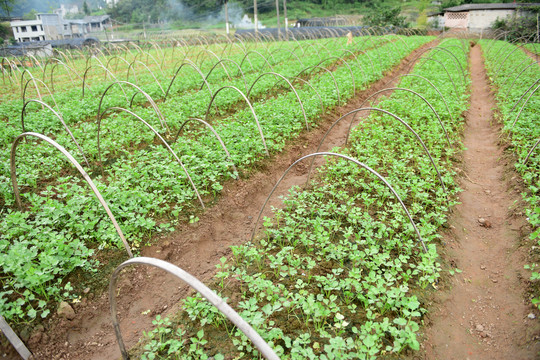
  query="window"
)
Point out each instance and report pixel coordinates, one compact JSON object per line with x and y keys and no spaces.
{"x":457,"y":15}
{"x":23,"y":28}
{"x":34,"y":27}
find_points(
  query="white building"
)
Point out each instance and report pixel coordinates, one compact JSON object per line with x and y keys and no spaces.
{"x":478,"y":17}
{"x":28,"y":30}
{"x":54,"y":27}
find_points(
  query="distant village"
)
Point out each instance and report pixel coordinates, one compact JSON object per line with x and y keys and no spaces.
{"x":54,"y":26}
{"x":51,"y":30}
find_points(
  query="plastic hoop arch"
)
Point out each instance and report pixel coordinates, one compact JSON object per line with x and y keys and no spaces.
{"x":381,"y":178}
{"x":193,"y":282}
{"x":412,"y":92}
{"x":290,"y":85}
{"x":396,"y":118}
{"x":79,"y":168}
{"x":250,"y":107}
{"x":217,"y":137}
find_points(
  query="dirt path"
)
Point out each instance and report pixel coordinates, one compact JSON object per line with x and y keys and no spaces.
{"x":144,"y":293}
{"x":484,"y":315}
{"x":532,"y":55}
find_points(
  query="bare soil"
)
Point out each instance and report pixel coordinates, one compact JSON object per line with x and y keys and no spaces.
{"x":143,"y":292}
{"x":484,"y":314}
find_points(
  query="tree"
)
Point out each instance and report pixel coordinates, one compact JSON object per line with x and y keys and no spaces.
{"x":519,"y":27}
{"x":7,"y":6}
{"x":86,"y":9}
{"x":384,"y":15}
{"x":5,"y":31}
{"x":31,"y":15}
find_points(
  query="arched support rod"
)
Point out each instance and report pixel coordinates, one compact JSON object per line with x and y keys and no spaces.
{"x":148,"y":97}
{"x":217,"y":137}
{"x":412,"y":92}
{"x":313,"y":155}
{"x":509,"y":89}
{"x":312,"y":88}
{"x":531,"y":151}
{"x":258,"y":53}
{"x":250,"y":107}
{"x":396,"y":118}
{"x":43,"y":104}
{"x":106,"y":70}
{"x":33,"y":79}
{"x":42,"y":83}
{"x":359,"y":64}
{"x":148,"y":69}
{"x":194,"y":66}
{"x":217,"y":57}
{"x":436,"y":89}
{"x":79,"y":168}
{"x":14,"y":339}
{"x":523,"y":95}
{"x":160,"y":138}
{"x":220,"y":62}
{"x":118,"y":57}
{"x":290,"y":85}
{"x":292,"y":54}
{"x":348,"y":66}
{"x":192,"y":281}
{"x":330,"y":73}
{"x":525,"y":103}
{"x":456,"y":93}
{"x":435,"y":48}
{"x":66,"y":66}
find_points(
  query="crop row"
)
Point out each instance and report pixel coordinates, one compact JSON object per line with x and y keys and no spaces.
{"x":286,"y":65}
{"x":158,"y":65}
{"x":340,"y":272}
{"x":63,"y":225}
{"x":515,"y":77}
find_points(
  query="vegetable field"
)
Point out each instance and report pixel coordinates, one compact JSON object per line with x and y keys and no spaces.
{"x":103,"y":153}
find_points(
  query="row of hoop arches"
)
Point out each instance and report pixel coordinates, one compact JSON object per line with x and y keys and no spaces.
{"x":265,"y":351}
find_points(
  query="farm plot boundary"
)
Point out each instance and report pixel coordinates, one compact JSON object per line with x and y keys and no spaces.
{"x":184,"y":248}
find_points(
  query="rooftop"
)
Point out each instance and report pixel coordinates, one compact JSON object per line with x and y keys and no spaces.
{"x":507,"y":6}
{"x":98,"y":18}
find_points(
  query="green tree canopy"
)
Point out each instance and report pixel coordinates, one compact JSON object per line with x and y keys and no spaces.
{"x":86,"y":9}
{"x":385,"y":15}
{"x":7,"y":6}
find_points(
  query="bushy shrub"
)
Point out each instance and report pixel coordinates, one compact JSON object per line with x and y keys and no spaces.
{"x":524,"y":26}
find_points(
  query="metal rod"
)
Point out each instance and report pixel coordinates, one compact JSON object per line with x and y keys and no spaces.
{"x":14,"y":339}
{"x":219,"y":303}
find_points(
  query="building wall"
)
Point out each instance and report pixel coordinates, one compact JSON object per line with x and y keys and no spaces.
{"x":77,"y":30}
{"x":483,"y":19}
{"x":436,"y":21}
{"x":52,"y":25}
{"x":30,"y":30}
{"x":456,"y":20}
